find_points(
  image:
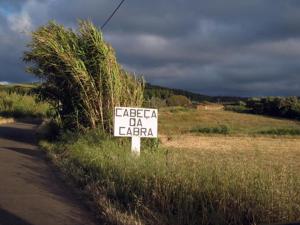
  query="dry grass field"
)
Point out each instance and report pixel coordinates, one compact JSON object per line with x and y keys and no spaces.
{"x":244,"y":143}
{"x":267,"y":151}
{"x":174,"y":121}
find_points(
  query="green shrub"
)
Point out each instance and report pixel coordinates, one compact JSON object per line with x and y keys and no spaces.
{"x":222,"y":129}
{"x":281,"y":131}
{"x":49,"y":130}
{"x":178,"y":100}
{"x":155,"y":102}
{"x":237,"y":108}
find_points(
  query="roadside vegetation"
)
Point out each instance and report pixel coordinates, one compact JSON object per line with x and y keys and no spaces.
{"x":82,"y":82}
{"x":80,"y":76}
{"x":18,"y":105}
{"x":169,"y":186}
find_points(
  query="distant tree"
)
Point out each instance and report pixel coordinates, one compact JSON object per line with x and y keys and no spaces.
{"x":288,"y":107}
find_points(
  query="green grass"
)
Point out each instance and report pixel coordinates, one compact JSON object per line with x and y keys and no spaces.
{"x":22,"y":105}
{"x":166,"y":186}
{"x":174,"y":121}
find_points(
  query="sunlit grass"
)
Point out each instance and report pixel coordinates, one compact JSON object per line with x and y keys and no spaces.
{"x":177,"y":186}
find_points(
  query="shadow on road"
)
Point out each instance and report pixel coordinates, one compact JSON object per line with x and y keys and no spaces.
{"x":25,"y":151}
{"x":11,"y":219}
{"x":19,"y":134}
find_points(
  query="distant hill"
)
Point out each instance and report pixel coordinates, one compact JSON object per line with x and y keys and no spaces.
{"x":164,"y":92}
{"x":150,"y":91}
{"x":18,"y":88}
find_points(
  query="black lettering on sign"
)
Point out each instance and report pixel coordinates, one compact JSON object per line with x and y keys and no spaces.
{"x":146,"y":113}
{"x":139,"y":123}
{"x":129,"y":132}
{"x":136,"y":131}
{"x":153,"y":114}
{"x":117,"y":112}
{"x":139,"y":113}
{"x":143,"y":132}
{"x":150,"y":133}
{"x":132,"y":113}
{"x":132,"y":122}
{"x":121,"y":132}
{"x":126,"y":113}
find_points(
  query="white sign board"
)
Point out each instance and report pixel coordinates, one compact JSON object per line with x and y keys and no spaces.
{"x":136,"y":123}
{"x":140,"y":122}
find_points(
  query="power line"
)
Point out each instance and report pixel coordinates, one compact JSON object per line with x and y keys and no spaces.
{"x":113,"y":13}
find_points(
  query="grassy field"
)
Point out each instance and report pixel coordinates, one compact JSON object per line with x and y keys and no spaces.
{"x":242,"y":178}
{"x":178,"y":120}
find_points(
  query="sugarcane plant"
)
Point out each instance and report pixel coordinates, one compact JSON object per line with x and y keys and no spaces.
{"x":80,"y":75}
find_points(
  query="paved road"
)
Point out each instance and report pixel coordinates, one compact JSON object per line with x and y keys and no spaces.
{"x":30,"y":191}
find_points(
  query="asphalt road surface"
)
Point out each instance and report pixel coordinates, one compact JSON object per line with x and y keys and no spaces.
{"x":31,"y":193}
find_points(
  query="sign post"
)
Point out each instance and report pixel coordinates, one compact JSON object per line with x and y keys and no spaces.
{"x":136,"y":123}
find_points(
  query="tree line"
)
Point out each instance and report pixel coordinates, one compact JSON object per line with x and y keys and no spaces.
{"x":286,"y":107}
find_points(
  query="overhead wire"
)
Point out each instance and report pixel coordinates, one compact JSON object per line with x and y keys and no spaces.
{"x":111,"y":15}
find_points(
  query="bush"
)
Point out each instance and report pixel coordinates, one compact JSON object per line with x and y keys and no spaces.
{"x":178,"y":100}
{"x":80,"y":75}
{"x":49,"y":130}
{"x":281,"y":131}
{"x":237,"y":108}
{"x":222,"y":129}
{"x":155,"y":102}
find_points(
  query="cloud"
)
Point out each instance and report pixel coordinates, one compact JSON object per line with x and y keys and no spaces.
{"x":212,"y":47}
{"x":20,"y":22}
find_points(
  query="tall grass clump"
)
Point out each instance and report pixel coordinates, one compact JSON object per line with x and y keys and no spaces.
{"x":22,"y":105}
{"x":80,"y":75}
{"x":167,"y":187}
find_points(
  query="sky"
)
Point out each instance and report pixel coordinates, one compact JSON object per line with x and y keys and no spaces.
{"x":216,"y":47}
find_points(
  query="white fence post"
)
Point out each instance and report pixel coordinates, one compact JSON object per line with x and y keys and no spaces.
{"x":136,"y":145}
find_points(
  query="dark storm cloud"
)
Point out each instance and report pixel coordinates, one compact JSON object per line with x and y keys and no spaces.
{"x":215,"y":47}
